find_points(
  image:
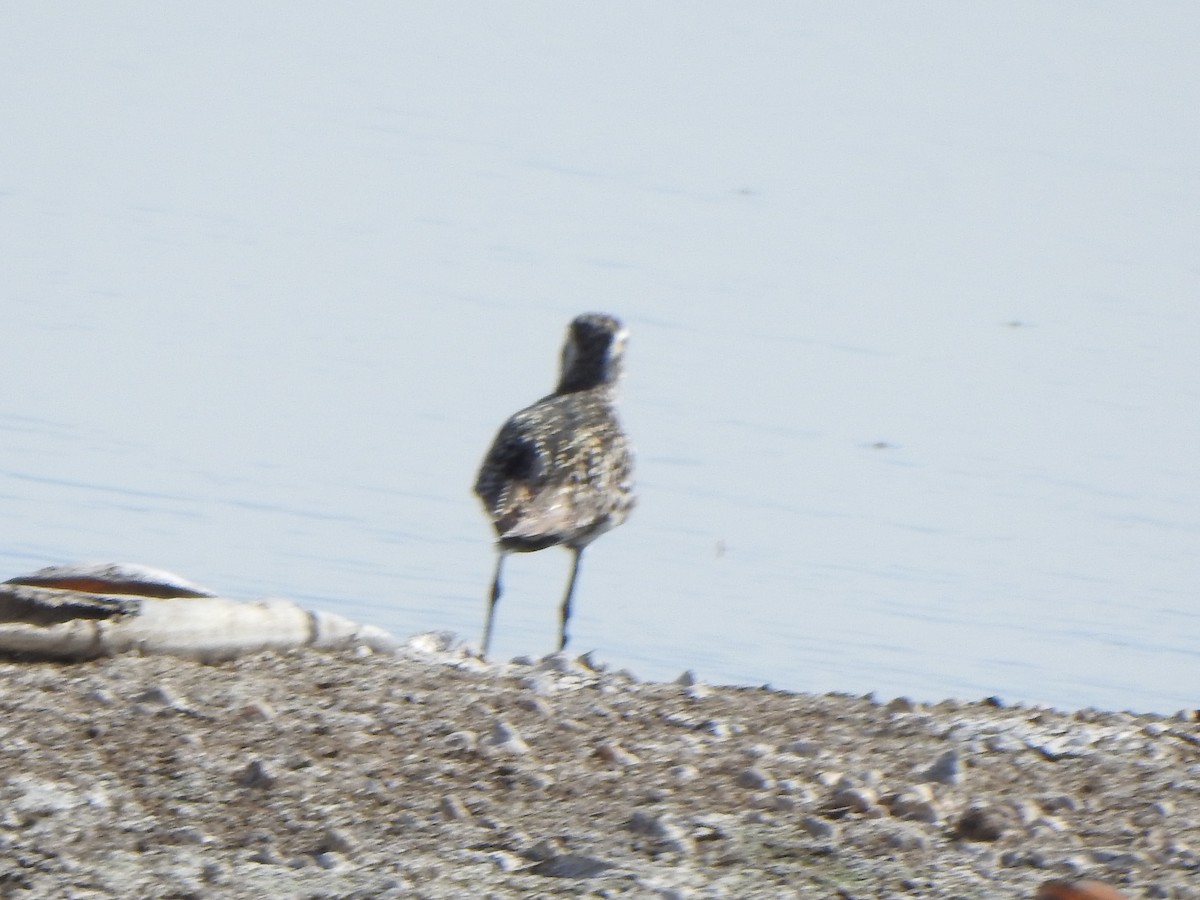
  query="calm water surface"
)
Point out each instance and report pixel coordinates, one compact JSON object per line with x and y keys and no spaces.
{"x":913,"y":297}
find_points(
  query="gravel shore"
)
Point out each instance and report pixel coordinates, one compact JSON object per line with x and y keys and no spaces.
{"x":430,"y":774}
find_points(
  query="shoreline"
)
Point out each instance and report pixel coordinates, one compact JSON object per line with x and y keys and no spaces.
{"x":427,"y":773}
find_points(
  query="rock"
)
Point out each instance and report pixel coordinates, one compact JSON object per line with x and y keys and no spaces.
{"x":851,"y":799}
{"x":946,"y":770}
{"x":753,"y":779}
{"x":331,"y":860}
{"x":559,"y":663}
{"x":507,"y":739}
{"x":903,"y":836}
{"x":682,"y":774}
{"x":982,"y":823}
{"x":157,"y":695}
{"x":818,"y":828}
{"x":901,"y":705}
{"x":614,"y":754}
{"x":571,"y":865}
{"x":453,"y":809}
{"x":461,"y":741}
{"x":336,"y":840}
{"x":665,"y":832}
{"x":257,"y":774}
{"x":806,"y":749}
{"x":917,"y":803}
{"x":535,"y":704}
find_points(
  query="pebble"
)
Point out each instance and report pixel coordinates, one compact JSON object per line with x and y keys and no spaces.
{"x":337,"y":840}
{"x":158,"y":695}
{"x":753,"y":779}
{"x":819,"y":828}
{"x":506,"y":738}
{"x":558,"y":662}
{"x":687,"y":679}
{"x":852,"y":799}
{"x":903,"y":836}
{"x":946,"y":769}
{"x":256,"y":711}
{"x":535,"y":704}
{"x":331,"y":861}
{"x":571,"y":865}
{"x":982,"y":823}
{"x":663,"y":828}
{"x":453,"y":809}
{"x":683,"y":774}
{"x":614,"y":754}
{"x":258,"y":774}
{"x":807,"y":749}
{"x":462,"y":741}
{"x":917,"y":803}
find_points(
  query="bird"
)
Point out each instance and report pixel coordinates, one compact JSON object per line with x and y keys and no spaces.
{"x":560,"y":472}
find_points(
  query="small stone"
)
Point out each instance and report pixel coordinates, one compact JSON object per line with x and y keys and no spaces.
{"x":901,"y":705}
{"x":571,"y":865}
{"x":158,"y":695}
{"x":535,"y":704}
{"x":256,"y":711}
{"x":266,"y":855}
{"x":543,"y":850}
{"x":683,"y":774}
{"x":916,"y":803}
{"x":506,"y":738}
{"x":337,"y":840}
{"x":257,"y":774}
{"x":818,"y":828}
{"x":687,"y":679}
{"x":807,"y":749}
{"x":753,"y":779}
{"x":946,"y":770}
{"x":716,"y":728}
{"x":462,"y":741}
{"x":430,"y":642}
{"x":982,"y":823}
{"x":453,"y":809}
{"x":1119,"y":859}
{"x":505,"y":862}
{"x":558,"y":662}
{"x":331,"y":861}
{"x":614,"y":754}
{"x":1154,"y":729}
{"x":903,"y":836}
{"x":1060,"y":803}
{"x":852,"y":799}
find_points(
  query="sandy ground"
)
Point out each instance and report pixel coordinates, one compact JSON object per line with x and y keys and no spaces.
{"x":430,"y":774}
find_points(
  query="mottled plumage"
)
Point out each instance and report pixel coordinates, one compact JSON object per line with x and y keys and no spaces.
{"x":560,"y":472}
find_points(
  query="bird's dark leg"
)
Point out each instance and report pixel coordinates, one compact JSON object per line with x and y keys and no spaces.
{"x":566,"y":604}
{"x":491,"y":610}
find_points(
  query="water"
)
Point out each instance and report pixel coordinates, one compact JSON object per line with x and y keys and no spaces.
{"x":913,"y":295}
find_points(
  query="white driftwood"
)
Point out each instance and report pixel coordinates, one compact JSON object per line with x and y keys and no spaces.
{"x":73,"y":625}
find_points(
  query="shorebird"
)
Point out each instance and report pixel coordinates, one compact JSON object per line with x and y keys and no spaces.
{"x":560,"y":472}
